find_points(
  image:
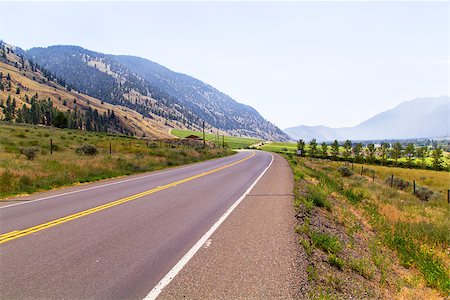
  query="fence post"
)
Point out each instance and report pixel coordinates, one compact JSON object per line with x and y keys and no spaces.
{"x":373,"y":176}
{"x":448,"y":196}
{"x":110,"y":148}
{"x":414,"y":186}
{"x":51,"y":146}
{"x":392,"y":180}
{"x":362,"y":168}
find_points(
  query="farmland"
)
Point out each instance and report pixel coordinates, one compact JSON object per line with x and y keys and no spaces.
{"x":230,"y":141}
{"x":70,"y":163}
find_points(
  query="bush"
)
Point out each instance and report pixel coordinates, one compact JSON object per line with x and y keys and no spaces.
{"x":318,"y":197}
{"x":398,"y":183}
{"x":423,"y":193}
{"x":336,"y":261}
{"x":86,"y":149}
{"x":29,"y":152}
{"x":344,"y":171}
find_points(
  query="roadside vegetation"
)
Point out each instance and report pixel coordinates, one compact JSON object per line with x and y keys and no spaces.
{"x":397,"y":154}
{"x":229,"y":141}
{"x":30,"y":162}
{"x":365,"y":239}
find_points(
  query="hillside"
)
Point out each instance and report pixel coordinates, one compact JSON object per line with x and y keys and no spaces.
{"x":418,"y":118}
{"x":151,"y":89}
{"x":18,"y":75}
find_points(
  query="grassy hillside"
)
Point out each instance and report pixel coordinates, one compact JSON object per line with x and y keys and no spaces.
{"x":230,"y":141}
{"x":33,"y":82}
{"x":65,"y":166}
{"x":365,"y":240}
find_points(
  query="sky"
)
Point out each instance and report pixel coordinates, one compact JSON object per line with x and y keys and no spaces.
{"x":311,"y":63}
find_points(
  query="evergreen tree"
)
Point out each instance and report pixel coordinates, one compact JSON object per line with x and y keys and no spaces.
{"x":409,"y":153}
{"x":335,"y":149}
{"x":300,"y":146}
{"x":371,"y":152}
{"x":313,"y":148}
{"x":436,"y":155}
{"x":357,"y":151}
{"x":324,"y":150}
{"x":422,"y":153}
{"x":347,"y":149}
{"x":384,"y":151}
{"x":397,"y":150}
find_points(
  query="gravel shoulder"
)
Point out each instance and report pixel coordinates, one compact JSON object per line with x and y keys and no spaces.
{"x":254,"y":253}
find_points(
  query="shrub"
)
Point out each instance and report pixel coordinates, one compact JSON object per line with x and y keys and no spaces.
{"x":86,"y":149}
{"x":354,"y":196}
{"x":398,"y":183}
{"x":336,"y":261}
{"x":319,"y":198}
{"x":29,"y":152}
{"x":345,"y":171}
{"x":326,"y":242}
{"x":423,"y":193}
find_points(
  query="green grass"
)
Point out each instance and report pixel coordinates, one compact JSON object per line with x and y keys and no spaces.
{"x":230,"y":141}
{"x":363,"y":267}
{"x":415,"y":230}
{"x":336,"y":261}
{"x":279,"y":147}
{"x":327,"y":242}
{"x":19,"y":175}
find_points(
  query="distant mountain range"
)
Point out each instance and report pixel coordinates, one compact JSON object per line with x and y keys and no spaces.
{"x":418,"y":118}
{"x":151,"y":90}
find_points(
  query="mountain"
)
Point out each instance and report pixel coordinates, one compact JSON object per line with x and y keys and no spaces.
{"x":24,"y":83}
{"x":418,"y":118}
{"x":151,"y":90}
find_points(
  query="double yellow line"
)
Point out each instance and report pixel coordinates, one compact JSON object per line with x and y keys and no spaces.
{"x":6,"y":237}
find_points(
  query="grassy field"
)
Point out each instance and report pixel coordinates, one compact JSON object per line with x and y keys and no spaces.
{"x":364,"y":239}
{"x":279,"y":147}
{"x":230,"y":141}
{"x":65,"y":167}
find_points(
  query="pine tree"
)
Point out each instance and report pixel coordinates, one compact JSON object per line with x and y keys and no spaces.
{"x":436,"y":155}
{"x":335,"y":149}
{"x":324,"y":150}
{"x":347,"y":149}
{"x":313,"y":148}
{"x":301,"y":147}
{"x":397,"y":150}
{"x":409,"y":152}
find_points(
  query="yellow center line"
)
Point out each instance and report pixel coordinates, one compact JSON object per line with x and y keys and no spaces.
{"x":9,"y":236}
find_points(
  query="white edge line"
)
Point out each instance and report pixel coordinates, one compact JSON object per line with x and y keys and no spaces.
{"x":154,"y":293}
{"x":107,"y":184}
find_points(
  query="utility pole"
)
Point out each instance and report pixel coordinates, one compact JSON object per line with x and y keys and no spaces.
{"x":204,"y":139}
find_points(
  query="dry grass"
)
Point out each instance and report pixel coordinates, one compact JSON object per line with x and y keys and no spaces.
{"x":150,"y":127}
{"x":64,"y":167}
{"x":404,"y":241}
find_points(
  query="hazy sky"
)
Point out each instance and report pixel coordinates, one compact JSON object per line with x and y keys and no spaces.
{"x":330,"y":63}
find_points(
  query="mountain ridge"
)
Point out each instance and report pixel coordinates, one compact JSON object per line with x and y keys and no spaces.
{"x":148,"y":87}
{"x":417,"y":118}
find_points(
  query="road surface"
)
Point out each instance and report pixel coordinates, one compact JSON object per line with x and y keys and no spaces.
{"x":119,"y":239}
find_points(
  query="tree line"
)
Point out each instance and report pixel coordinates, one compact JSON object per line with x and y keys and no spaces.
{"x":383,"y":154}
{"x":43,"y":112}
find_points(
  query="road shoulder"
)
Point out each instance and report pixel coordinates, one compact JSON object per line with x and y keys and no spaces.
{"x":254,"y":253}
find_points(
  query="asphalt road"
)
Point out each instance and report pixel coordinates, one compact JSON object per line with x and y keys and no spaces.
{"x":116,"y":239}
